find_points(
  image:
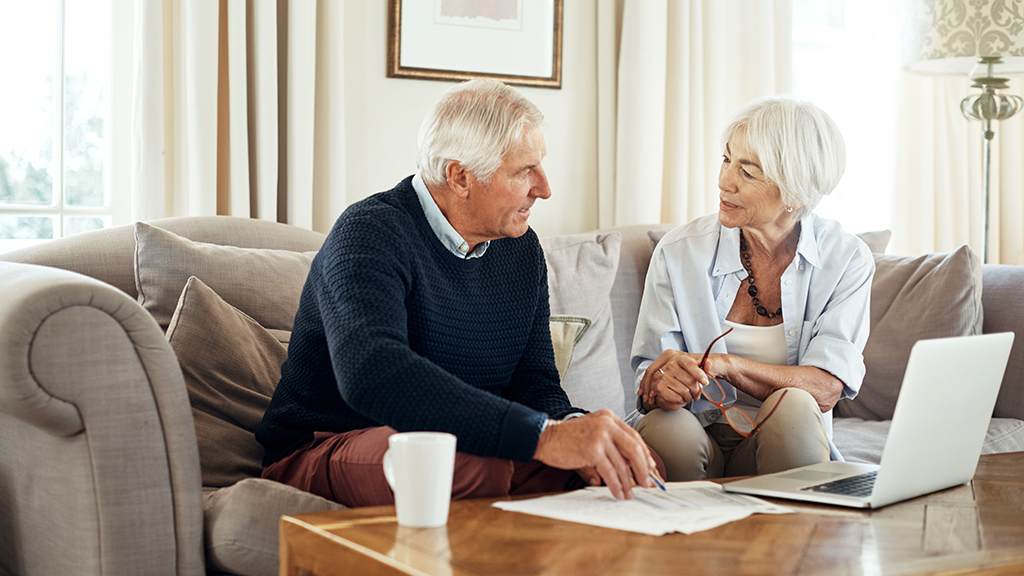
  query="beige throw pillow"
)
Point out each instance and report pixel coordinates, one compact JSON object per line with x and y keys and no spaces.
{"x":231,"y":366}
{"x":265,"y":284}
{"x":581,"y":270}
{"x":931,"y":296}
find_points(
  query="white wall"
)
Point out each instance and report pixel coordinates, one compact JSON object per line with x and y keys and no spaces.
{"x":383,"y":115}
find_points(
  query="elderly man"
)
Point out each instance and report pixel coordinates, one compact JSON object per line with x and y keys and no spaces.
{"x":427,"y":309}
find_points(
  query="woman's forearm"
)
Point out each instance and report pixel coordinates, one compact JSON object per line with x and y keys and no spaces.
{"x":760,"y":380}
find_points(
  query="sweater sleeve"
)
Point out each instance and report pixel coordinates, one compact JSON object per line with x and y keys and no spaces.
{"x":361,"y":288}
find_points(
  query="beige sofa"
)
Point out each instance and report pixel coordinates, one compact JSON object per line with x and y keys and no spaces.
{"x":129,"y":389}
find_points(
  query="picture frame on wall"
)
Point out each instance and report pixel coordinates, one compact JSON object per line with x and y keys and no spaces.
{"x":516,"y":41}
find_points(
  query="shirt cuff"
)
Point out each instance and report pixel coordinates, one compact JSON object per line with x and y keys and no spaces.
{"x":551,"y":421}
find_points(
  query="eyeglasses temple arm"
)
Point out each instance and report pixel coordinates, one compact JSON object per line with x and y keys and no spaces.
{"x":708,"y":351}
{"x":772,"y":411}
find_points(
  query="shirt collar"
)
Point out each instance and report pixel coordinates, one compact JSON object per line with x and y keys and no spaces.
{"x":807,"y":245}
{"x":440,"y":225}
{"x":728,"y":259}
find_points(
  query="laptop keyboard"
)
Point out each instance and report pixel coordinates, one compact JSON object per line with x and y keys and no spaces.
{"x":857,"y":486}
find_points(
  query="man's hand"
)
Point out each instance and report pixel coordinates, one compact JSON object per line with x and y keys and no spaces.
{"x":598,"y":443}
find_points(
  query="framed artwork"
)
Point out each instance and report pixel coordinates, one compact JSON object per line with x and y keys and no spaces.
{"x":515,"y":41}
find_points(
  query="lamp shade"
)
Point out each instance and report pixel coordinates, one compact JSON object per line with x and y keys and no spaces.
{"x":949,"y":36}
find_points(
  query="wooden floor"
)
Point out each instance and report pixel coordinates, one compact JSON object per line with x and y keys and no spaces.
{"x":976,"y":528}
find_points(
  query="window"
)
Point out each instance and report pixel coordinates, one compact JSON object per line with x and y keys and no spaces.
{"x":846,"y":60}
{"x":56,"y":146}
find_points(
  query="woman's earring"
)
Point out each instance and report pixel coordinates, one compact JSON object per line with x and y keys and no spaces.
{"x":790,"y":209}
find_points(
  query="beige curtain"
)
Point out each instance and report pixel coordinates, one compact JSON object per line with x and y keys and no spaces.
{"x":238,"y":110}
{"x":670,"y":74}
{"x":939,"y":204}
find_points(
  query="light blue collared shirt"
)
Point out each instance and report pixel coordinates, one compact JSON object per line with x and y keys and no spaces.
{"x":440,"y":225}
{"x":693,"y":279}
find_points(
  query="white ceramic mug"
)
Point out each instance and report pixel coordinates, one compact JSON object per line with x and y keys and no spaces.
{"x":419,"y":467}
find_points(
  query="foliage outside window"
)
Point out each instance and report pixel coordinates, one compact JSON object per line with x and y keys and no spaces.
{"x":55,"y":113}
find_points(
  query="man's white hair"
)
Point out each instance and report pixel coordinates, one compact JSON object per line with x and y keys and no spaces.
{"x":475,"y":123}
{"x":799,"y":147}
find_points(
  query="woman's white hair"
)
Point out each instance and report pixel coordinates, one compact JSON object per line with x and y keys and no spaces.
{"x":474,"y":123}
{"x":799,"y":147}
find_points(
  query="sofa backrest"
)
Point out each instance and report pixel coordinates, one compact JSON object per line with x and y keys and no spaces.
{"x":1003,"y":301}
{"x":107,"y":254}
{"x":997,"y":295}
{"x":628,"y":289}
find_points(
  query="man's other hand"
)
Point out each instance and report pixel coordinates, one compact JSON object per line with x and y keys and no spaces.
{"x":599,"y":442}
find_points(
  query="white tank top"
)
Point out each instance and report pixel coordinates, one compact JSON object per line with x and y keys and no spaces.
{"x":759,"y":343}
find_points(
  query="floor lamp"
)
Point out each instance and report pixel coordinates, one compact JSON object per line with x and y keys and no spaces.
{"x":981,"y":39}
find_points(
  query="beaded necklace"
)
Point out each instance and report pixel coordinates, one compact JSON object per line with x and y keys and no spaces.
{"x":752,"y":289}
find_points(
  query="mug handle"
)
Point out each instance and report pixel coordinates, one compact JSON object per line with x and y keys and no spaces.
{"x":389,"y":469}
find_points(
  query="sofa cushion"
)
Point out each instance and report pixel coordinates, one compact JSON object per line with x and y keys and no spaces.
{"x":231,"y":366}
{"x":581,"y":270}
{"x":931,"y":296}
{"x":863,"y":440}
{"x":241,"y":524}
{"x":263,"y":283}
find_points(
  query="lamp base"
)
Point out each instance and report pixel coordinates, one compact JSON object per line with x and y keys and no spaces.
{"x":990,"y":105}
{"x":987,"y":107}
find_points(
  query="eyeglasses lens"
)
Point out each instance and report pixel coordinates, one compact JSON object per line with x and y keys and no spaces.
{"x":713,"y":391}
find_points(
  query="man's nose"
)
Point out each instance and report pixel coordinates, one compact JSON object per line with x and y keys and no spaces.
{"x":541,"y":188}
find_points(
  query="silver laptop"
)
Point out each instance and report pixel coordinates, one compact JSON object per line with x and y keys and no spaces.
{"x":938,"y":427}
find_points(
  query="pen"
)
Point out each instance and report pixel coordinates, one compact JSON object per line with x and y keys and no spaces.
{"x":657,"y":481}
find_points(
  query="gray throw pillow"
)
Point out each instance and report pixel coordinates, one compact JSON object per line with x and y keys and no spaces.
{"x":931,"y":296}
{"x":581,"y":270}
{"x":231,"y":366}
{"x":263,"y":283}
{"x":877,"y":240}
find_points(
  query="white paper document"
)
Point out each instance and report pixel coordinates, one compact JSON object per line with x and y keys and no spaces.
{"x":685,"y":507}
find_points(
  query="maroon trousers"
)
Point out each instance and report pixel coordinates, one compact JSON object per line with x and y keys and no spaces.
{"x":348,"y":468}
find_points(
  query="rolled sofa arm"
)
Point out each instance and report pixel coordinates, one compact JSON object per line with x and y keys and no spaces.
{"x":99,"y":468}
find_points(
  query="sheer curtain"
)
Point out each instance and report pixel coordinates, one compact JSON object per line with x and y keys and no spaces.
{"x":238,"y":110}
{"x":939,"y":203}
{"x":670,"y":75}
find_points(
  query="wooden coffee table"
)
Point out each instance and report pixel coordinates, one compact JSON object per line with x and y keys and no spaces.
{"x":977,"y":527}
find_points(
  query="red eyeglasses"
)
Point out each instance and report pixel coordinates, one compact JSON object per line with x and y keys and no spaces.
{"x":714,"y":393}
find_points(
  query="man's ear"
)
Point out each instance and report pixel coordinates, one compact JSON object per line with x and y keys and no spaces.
{"x":458,"y":178}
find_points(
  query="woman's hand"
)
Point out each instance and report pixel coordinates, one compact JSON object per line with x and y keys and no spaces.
{"x":673,"y":380}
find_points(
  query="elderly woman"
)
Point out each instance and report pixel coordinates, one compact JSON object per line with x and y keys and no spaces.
{"x":790,"y":289}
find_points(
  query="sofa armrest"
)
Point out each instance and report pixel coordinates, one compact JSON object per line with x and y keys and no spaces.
{"x":99,"y":469}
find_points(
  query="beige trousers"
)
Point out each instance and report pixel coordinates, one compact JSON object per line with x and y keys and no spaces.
{"x":794,"y":436}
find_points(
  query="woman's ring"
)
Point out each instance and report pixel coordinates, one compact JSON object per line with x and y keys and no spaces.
{"x":661,"y":371}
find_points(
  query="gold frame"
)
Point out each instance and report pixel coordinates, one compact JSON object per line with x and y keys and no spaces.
{"x":396,"y":70}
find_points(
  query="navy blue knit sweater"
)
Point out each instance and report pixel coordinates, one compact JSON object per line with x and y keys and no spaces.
{"x":393,"y":329}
